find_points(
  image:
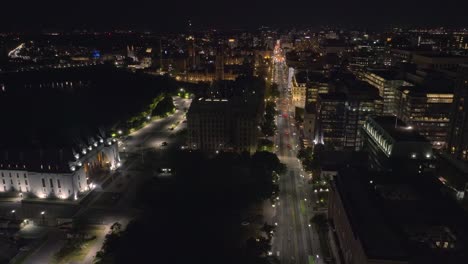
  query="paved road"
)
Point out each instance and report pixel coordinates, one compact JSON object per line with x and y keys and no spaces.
{"x":295,"y":241}
{"x":154,"y":134}
{"x":44,"y":254}
{"x":148,"y":138}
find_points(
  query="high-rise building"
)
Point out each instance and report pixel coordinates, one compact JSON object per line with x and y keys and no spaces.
{"x":458,"y":134}
{"x":341,"y":114}
{"x":398,"y":218}
{"x":192,"y":56}
{"x":191,"y":47}
{"x":223,"y":124}
{"x":310,"y":119}
{"x":428,"y":110}
{"x":438,"y":61}
{"x":358,"y":108}
{"x":219,"y":65}
{"x":387,"y":82}
{"x":393,"y":145}
{"x":331,"y":116}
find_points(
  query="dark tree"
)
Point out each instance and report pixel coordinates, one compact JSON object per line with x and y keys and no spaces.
{"x":164,"y":107}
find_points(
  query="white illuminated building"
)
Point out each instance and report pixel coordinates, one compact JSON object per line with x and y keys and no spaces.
{"x":57,"y":173}
{"x":392,"y":145}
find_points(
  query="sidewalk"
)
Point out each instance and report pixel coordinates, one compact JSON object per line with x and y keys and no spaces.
{"x":89,"y":259}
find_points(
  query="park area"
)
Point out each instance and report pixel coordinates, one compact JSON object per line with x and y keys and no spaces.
{"x":79,"y":245}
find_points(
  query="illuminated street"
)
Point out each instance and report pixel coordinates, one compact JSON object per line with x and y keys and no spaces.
{"x":295,"y":241}
{"x":148,"y":138}
{"x":233,"y":132}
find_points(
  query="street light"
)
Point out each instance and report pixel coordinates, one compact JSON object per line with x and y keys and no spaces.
{"x":43,"y":217}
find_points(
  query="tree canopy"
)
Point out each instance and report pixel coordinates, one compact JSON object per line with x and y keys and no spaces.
{"x":195,"y":217}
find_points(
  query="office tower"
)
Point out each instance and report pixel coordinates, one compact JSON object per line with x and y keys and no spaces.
{"x":458,"y":134}
{"x":387,"y":82}
{"x":428,"y":110}
{"x":223,"y":124}
{"x":393,"y":145}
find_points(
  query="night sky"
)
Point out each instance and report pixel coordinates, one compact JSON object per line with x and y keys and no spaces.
{"x":173,"y":15}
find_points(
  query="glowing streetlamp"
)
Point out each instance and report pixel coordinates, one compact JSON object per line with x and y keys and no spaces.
{"x":43,"y":217}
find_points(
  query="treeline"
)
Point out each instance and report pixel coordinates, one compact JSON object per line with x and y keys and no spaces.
{"x":196,"y":217}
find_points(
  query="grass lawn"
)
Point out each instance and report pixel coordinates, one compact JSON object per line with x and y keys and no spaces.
{"x":82,"y":247}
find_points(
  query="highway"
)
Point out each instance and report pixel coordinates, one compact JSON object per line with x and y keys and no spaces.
{"x":295,"y":239}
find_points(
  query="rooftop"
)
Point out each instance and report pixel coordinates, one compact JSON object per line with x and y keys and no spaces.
{"x":223,"y":105}
{"x":334,"y":43}
{"x":304,"y":77}
{"x":424,"y":91}
{"x":333,"y":97}
{"x":398,"y":129}
{"x":387,"y":74}
{"x":440,"y":55}
{"x":377,"y":238}
{"x":403,"y":216}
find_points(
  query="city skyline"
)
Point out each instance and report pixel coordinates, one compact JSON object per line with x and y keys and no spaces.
{"x":234,"y":132}
{"x":174,"y":16}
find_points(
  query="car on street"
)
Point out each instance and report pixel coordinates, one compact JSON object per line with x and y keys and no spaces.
{"x":25,"y":248}
{"x":164,"y":172}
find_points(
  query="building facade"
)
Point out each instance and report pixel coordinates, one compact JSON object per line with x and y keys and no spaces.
{"x":394,"y":218}
{"x":438,"y":61}
{"x":428,"y":110}
{"x":387,"y":82}
{"x":299,"y":91}
{"x":458,"y":134}
{"x":306,"y":87}
{"x":358,"y":109}
{"x":57,"y":173}
{"x":394,"y":145}
{"x":331,"y":117}
{"x":340,"y":117}
{"x":223,"y":125}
